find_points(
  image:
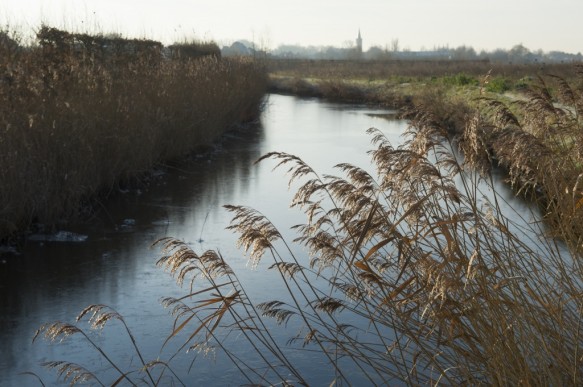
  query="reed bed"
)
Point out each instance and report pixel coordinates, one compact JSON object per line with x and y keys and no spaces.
{"x":80,"y":115}
{"x":407,"y":273}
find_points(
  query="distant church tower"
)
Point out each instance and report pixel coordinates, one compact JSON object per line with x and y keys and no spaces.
{"x":359,"y":43}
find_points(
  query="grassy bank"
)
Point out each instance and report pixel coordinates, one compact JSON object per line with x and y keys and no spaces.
{"x":393,"y":82}
{"x":80,"y":114}
{"x":449,"y":88}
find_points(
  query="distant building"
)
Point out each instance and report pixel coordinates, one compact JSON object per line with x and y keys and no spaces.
{"x":237,"y":49}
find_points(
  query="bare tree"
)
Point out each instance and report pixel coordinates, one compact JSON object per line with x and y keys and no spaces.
{"x":395,"y":45}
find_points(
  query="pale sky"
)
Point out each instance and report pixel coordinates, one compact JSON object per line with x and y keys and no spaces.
{"x":416,"y":24}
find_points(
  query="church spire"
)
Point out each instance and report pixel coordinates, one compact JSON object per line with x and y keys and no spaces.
{"x":359,"y":43}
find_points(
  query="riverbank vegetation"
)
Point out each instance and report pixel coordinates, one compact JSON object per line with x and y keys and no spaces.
{"x":406,"y":273}
{"x":82,"y":115}
{"x":403,"y":274}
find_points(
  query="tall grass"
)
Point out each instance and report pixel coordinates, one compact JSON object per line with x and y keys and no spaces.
{"x":412,"y":275}
{"x":539,"y":141}
{"x":446,"y":287}
{"x":79,"y":114}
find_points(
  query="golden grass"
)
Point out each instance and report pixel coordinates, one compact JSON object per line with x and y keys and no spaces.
{"x":80,"y":114}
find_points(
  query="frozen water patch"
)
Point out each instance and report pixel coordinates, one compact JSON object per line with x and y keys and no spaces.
{"x":129,"y":222}
{"x":7,"y":249}
{"x":161,"y":222}
{"x":126,"y":225}
{"x":59,"y":236}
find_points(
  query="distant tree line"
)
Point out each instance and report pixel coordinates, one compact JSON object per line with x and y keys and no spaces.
{"x":517,"y":54}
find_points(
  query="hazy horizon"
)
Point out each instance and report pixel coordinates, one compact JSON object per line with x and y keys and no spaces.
{"x":420,"y":25}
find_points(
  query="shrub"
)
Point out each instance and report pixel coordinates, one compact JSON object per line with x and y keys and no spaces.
{"x":194,"y":50}
{"x":460,"y":80}
{"x":498,"y":85}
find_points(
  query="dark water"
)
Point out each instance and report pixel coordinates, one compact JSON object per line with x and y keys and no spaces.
{"x":115,"y":266}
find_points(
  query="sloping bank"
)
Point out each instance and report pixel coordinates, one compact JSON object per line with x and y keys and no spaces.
{"x":80,"y":115}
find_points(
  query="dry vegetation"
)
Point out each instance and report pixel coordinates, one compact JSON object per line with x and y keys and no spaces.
{"x":79,"y":114}
{"x":398,"y":83}
{"x":414,"y":275}
{"x":537,"y":139}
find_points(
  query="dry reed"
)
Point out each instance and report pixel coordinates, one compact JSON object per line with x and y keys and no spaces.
{"x":538,"y":141}
{"x":415,"y":277}
{"x":80,"y":114}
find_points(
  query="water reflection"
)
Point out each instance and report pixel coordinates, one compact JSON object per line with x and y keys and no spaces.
{"x":52,"y":281}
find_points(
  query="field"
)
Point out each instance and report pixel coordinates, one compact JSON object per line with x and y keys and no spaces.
{"x":82,"y":116}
